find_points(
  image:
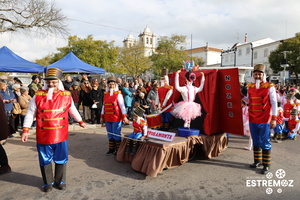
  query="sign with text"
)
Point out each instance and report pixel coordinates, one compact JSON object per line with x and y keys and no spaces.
{"x":160,"y":135}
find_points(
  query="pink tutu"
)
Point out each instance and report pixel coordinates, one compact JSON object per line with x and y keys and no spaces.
{"x":186,"y":110}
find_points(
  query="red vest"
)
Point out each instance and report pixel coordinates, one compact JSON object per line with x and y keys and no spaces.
{"x":112,"y":110}
{"x":162,"y":92}
{"x":52,"y":117}
{"x":259,"y":103}
{"x":138,"y":128}
{"x":287,"y":108}
{"x":279,"y":119}
{"x":292,"y":124}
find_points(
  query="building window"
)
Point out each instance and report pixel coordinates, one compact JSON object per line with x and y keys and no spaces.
{"x":240,"y":52}
{"x":147,"y":40}
{"x":255,"y":55}
{"x":266,"y":52}
{"x":150,"y":40}
{"x":226,"y":58}
{"x":231,"y":58}
{"x":248,"y":50}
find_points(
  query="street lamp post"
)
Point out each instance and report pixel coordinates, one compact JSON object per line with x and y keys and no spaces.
{"x":284,"y":65}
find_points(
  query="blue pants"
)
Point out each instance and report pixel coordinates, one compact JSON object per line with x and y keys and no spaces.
{"x":115,"y":128}
{"x":166,"y":117}
{"x":260,"y":135}
{"x":291,"y":136}
{"x":56,"y":152}
{"x":278,"y":129}
{"x":135,"y":135}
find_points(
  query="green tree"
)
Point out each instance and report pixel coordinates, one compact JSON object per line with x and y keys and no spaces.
{"x":98,"y":53}
{"x":169,"y":53}
{"x":17,"y":15}
{"x":290,"y":48}
{"x":45,"y":61}
{"x":132,"y":61}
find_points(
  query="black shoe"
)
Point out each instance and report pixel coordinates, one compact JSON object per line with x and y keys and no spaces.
{"x":265,"y":170}
{"x":255,"y":165}
{"x":47,"y":188}
{"x":110,"y":152}
{"x":5,"y":169}
{"x":61,"y":186}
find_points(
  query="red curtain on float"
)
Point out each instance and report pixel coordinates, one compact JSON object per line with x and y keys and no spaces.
{"x":220,"y":99}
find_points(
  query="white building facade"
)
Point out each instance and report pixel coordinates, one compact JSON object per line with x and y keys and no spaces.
{"x":249,"y":54}
{"x":211,"y":56}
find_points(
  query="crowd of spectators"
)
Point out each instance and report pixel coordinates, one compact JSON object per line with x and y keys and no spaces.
{"x":87,"y":94}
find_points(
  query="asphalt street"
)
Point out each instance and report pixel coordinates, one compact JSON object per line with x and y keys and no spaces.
{"x":93,"y":175}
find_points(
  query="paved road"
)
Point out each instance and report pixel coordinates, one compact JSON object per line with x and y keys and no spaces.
{"x":92,"y":175}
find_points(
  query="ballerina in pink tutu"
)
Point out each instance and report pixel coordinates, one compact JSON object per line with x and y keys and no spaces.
{"x":187,"y":109}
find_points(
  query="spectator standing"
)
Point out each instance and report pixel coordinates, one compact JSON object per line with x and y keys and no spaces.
{"x":8,"y":99}
{"x":17,"y":93}
{"x":148,"y":87}
{"x":35,"y":85}
{"x":128,"y":96}
{"x":96,"y":96}
{"x":68,"y":82}
{"x":24,"y":101}
{"x":4,"y":166}
{"x":86,"y":100}
{"x":75,"y":91}
{"x":152,"y":99}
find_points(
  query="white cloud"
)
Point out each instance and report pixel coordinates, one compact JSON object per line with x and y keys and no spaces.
{"x":220,"y":23}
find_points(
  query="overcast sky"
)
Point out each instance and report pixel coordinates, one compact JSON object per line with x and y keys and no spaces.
{"x":216,"y":22}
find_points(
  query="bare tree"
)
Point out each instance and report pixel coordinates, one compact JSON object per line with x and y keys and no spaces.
{"x":16,"y":15}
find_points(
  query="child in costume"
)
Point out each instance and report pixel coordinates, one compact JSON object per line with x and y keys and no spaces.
{"x":293,"y":125}
{"x":139,"y":130}
{"x":279,"y":124}
{"x":288,"y":106}
{"x":187,"y":109}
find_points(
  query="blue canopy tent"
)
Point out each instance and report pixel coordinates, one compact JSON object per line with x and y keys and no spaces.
{"x":72,"y":64}
{"x":11,"y":62}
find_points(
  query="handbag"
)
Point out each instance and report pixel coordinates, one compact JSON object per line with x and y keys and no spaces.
{"x":94,"y":106}
{"x":16,"y":108}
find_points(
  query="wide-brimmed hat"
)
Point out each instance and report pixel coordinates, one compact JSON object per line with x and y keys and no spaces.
{"x":289,"y":96}
{"x":53,"y":74}
{"x":138,"y":111}
{"x":259,"y":68}
{"x":294,"y":111}
{"x":111,"y":79}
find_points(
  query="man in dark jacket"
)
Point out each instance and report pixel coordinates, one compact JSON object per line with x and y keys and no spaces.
{"x":4,"y":167}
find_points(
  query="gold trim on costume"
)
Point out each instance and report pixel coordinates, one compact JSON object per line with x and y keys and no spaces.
{"x":53,"y":119}
{"x":53,"y":127}
{"x":53,"y":110}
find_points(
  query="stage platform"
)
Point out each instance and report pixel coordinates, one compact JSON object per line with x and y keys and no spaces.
{"x":153,"y":156}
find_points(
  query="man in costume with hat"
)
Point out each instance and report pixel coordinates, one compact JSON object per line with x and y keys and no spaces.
{"x":113,"y":114}
{"x":51,"y":107}
{"x":139,"y":129}
{"x":262,"y":116}
{"x":165,"y":93}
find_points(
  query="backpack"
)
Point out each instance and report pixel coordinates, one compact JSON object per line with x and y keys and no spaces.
{"x":16,"y":109}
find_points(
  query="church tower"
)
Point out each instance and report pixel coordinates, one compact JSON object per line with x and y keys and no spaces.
{"x":129,"y":41}
{"x":147,"y":39}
